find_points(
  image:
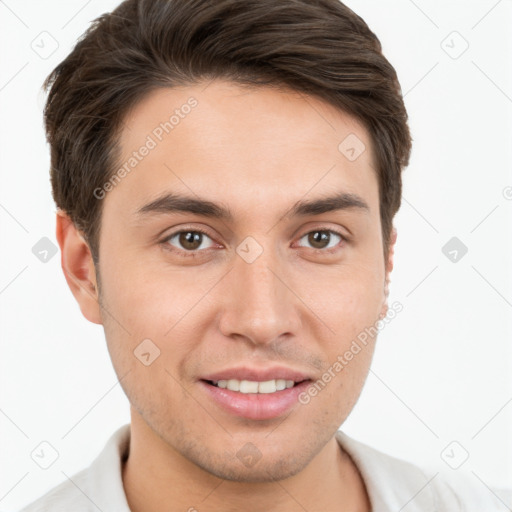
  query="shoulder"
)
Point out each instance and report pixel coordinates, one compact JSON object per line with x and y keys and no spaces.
{"x":64,"y":497}
{"x":98,"y":487}
{"x":469,"y":493}
{"x":393,"y":484}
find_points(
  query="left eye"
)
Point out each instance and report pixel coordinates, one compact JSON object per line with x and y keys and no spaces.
{"x":322,"y":238}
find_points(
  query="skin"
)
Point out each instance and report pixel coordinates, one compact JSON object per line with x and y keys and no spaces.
{"x":257,"y":151}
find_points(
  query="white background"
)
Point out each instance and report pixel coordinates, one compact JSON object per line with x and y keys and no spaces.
{"x":441,"y":371}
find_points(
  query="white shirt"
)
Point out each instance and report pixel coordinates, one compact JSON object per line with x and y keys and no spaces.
{"x":392,"y":484}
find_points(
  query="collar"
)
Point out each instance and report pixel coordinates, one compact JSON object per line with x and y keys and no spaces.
{"x":391,"y":483}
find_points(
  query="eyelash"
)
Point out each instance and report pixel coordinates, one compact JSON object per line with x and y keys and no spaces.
{"x":196,"y":253}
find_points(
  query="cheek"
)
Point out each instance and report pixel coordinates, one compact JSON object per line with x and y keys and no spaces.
{"x":150,"y":299}
{"x":336,"y":391}
{"x":347,"y":299}
{"x":148,"y":302}
{"x":348,"y":304}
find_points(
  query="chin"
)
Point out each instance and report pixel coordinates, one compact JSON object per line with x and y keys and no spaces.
{"x":250,"y":462}
{"x":262,"y":471}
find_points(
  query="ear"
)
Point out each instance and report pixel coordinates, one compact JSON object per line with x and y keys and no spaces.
{"x":78,"y":267}
{"x":389,"y":268}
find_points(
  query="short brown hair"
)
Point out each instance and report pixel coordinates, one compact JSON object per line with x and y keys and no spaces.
{"x":318,"y":47}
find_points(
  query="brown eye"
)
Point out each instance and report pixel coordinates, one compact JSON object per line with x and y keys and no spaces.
{"x":187,"y":240}
{"x":323,"y":239}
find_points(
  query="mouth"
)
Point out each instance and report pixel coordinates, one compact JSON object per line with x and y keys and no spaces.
{"x":254,"y":400}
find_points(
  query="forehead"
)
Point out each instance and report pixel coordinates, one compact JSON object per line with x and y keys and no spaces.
{"x":249,"y":147}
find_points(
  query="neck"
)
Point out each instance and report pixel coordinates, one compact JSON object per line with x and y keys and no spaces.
{"x":156,"y":477}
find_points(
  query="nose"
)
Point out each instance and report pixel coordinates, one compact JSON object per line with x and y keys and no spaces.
{"x":259,"y":302}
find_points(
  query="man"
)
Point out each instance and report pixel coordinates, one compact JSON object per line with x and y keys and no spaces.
{"x":227,"y":173}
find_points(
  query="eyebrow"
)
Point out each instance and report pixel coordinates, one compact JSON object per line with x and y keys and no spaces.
{"x":172,"y":203}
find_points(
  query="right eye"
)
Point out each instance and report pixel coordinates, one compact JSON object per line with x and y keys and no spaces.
{"x":187,"y":241}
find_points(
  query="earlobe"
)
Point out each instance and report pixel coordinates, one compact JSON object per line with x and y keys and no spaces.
{"x":392,"y":241}
{"x":389,"y":268}
{"x":78,"y":267}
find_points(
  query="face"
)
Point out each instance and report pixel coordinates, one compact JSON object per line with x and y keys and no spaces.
{"x":253,"y":284}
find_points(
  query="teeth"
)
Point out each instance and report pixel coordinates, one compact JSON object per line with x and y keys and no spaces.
{"x":251,"y":386}
{"x":233,"y":384}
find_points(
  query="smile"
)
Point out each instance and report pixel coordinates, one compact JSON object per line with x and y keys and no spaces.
{"x":251,"y":386}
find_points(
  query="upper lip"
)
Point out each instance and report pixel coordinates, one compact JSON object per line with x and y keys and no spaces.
{"x":257,"y":374}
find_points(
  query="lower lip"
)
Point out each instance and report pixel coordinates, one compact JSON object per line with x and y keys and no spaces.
{"x":256,"y":406}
